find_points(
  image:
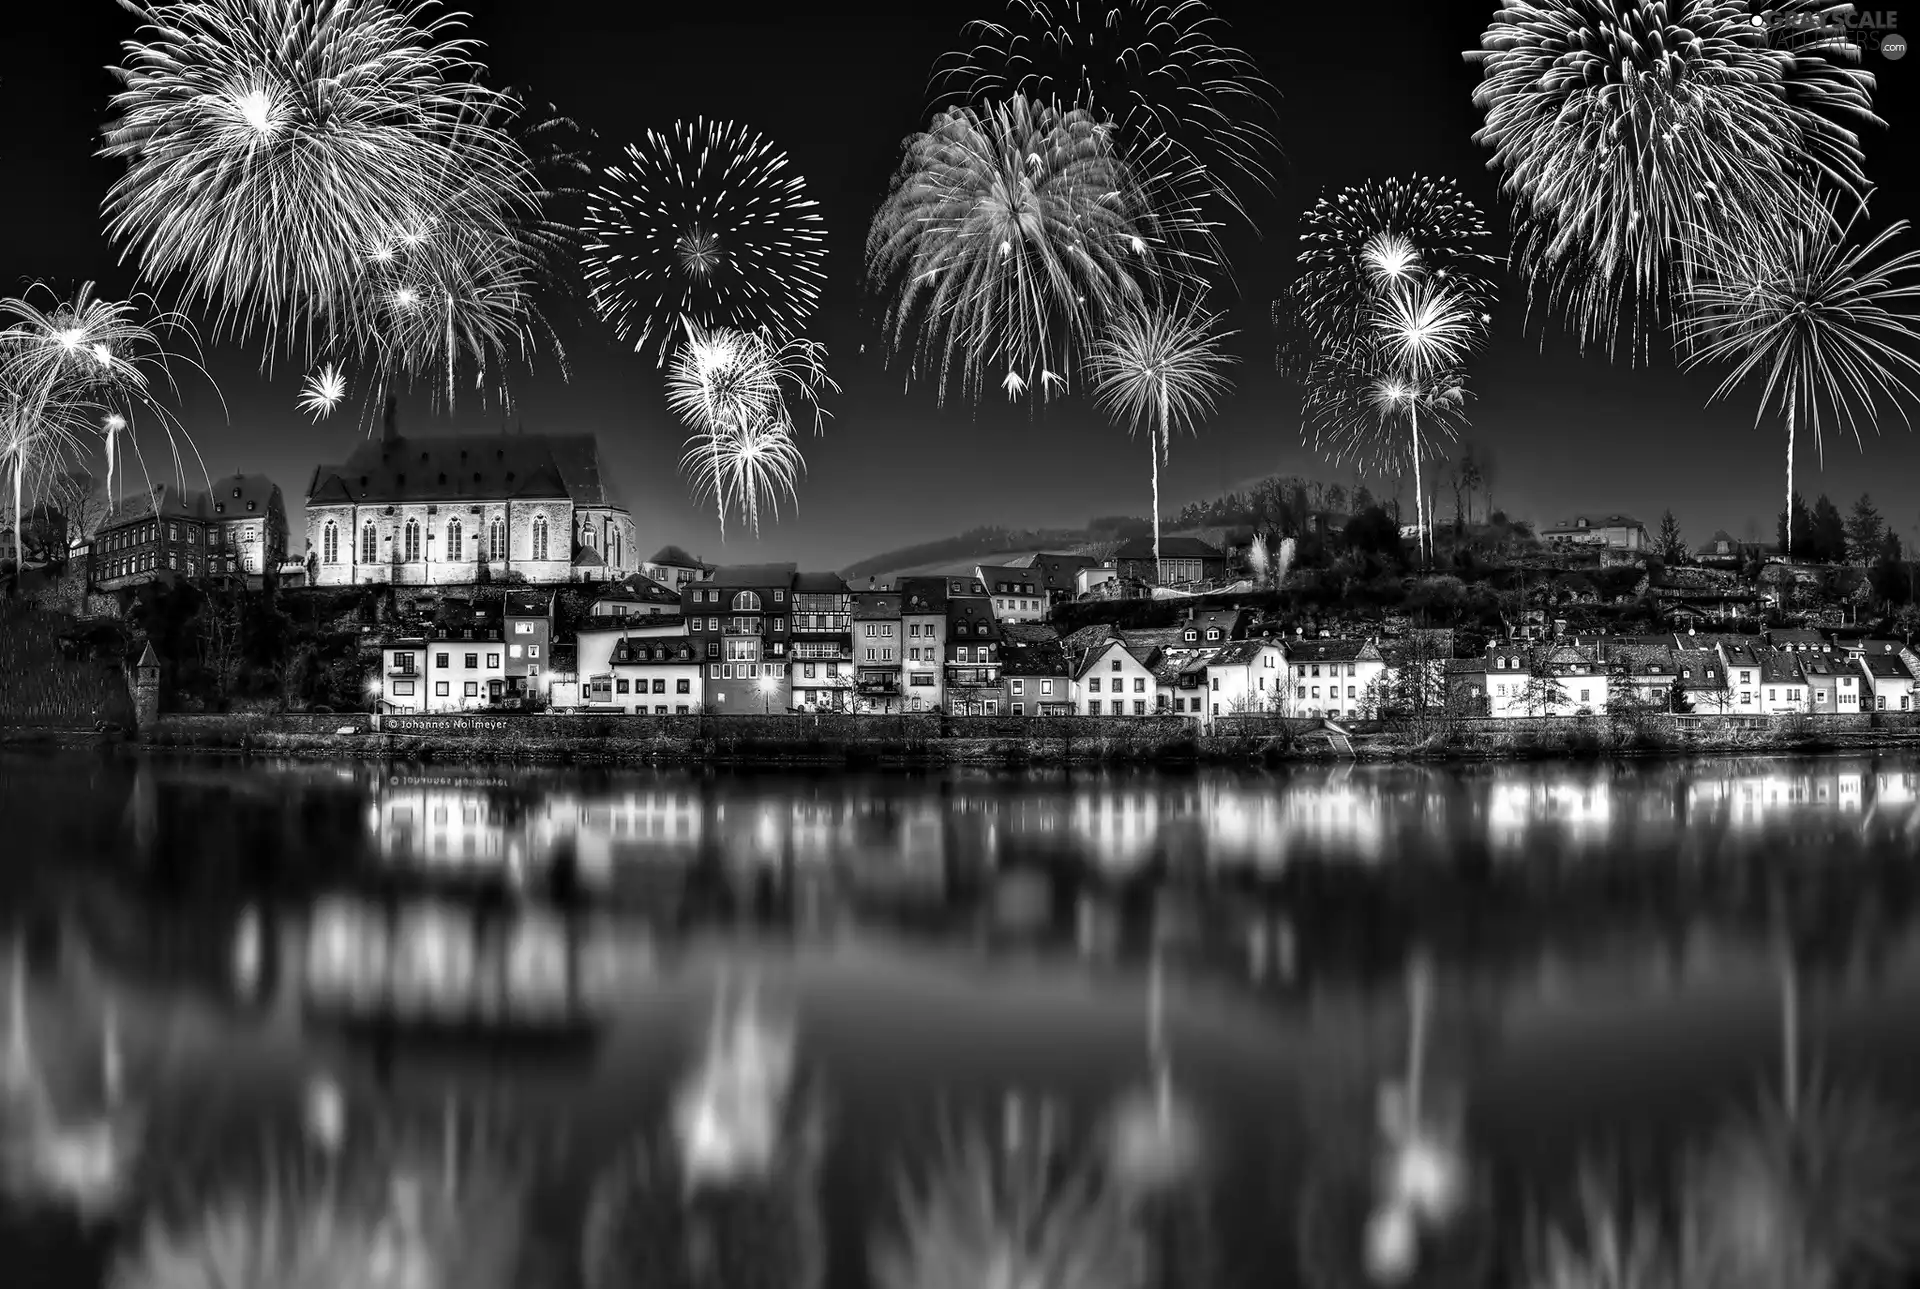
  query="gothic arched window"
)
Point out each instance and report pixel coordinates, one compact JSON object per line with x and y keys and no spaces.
{"x":369,"y":545}
{"x":497,"y":539}
{"x":413,"y":541}
{"x":539,"y":537}
{"x":455,"y":549}
{"x":330,"y":543}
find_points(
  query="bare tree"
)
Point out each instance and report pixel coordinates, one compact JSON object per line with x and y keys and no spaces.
{"x":1486,"y":472}
{"x":219,"y":642}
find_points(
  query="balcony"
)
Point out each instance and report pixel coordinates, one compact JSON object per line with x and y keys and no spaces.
{"x":973,"y":677}
{"x":878,"y":688}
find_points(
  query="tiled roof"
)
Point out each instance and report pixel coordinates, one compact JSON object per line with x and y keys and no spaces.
{"x":1874,"y":646}
{"x":922,"y":594}
{"x":527,"y":604}
{"x":753,"y":576}
{"x":1886,"y":667}
{"x":466,"y":467}
{"x":1170,"y":548}
{"x":975,"y":610}
{"x":1033,"y":658}
{"x":1643,"y":660}
{"x":1794,"y":636}
{"x":637,"y":588}
{"x":1056,"y":572}
{"x":1240,"y":653}
{"x":819,"y":584}
{"x":1158,"y":637}
{"x":1305,"y":650}
{"x":676,"y":557}
{"x":238,"y":495}
{"x":165,"y":501}
{"x":873,"y":605}
{"x":1594,"y":521}
{"x":588,"y":557}
{"x":1030,"y":632}
{"x":635,"y":652}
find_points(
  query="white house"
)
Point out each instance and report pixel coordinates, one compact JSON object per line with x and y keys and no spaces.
{"x":1086,"y":579}
{"x":1555,"y":680}
{"x":1339,"y":678}
{"x":1111,"y":679}
{"x":1745,"y":691}
{"x":1018,"y":593}
{"x":449,"y":671}
{"x":638,"y":596}
{"x":1612,"y":532}
{"x":1247,"y":676}
{"x":1890,"y":680}
{"x":659,"y":677}
{"x":1784,"y":686}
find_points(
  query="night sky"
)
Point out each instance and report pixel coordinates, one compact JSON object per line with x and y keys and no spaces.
{"x":1367,"y":90}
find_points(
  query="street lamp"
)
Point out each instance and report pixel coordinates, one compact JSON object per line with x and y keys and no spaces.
{"x":766,"y":685}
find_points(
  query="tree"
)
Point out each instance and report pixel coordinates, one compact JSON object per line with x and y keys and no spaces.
{"x":1672,"y":549}
{"x":1677,"y":700}
{"x":1544,"y":690}
{"x":1373,"y":532}
{"x":1797,"y":521}
{"x":1866,"y":530}
{"x":1829,"y":535}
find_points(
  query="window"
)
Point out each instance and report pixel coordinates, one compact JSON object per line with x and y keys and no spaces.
{"x":1350,"y":691}
{"x":1139,"y":707}
{"x":473,"y":661}
{"x":680,"y":709}
{"x":1046,"y":688}
{"x":1303,"y":692}
{"x":1015,"y":687}
{"x":403,"y":663}
{"x":779,"y":596}
{"x":403,"y":689}
{"x":440,"y":660}
{"x":1093,"y":684}
{"x":1583,"y":695}
{"x":439,"y":689}
{"x":493,"y":660}
{"x":1773,"y":695}
{"x":621,"y":686}
{"x":412,"y":547}
{"x":872,"y":630}
{"x":746,"y":602}
{"x":539,"y":537}
{"x":455,"y":540}
{"x":1117,"y":707}
{"x":1019,"y":709}
{"x":330,"y":543}
{"x":1116,"y":665}
{"x":660,"y":686}
{"x":533,"y":651}
{"x":683,"y":686}
{"x":1093,"y":707}
{"x":369,"y":545}
{"x":497,"y":538}
{"x":472,"y":689}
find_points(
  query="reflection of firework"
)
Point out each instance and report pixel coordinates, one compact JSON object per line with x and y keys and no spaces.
{"x":1620,"y":125}
{"x":706,"y":222}
{"x":1009,"y":232}
{"x":270,"y":145}
{"x":1367,"y":237}
{"x":1188,"y":104}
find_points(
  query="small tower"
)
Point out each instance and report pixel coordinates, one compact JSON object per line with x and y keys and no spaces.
{"x":146,"y":688}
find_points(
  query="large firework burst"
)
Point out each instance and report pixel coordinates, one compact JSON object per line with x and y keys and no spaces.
{"x":1364,"y":238}
{"x":1010,"y":231}
{"x":1621,"y":125}
{"x":78,"y":371}
{"x":709,"y":222}
{"x":273,"y":144}
{"x":1189,"y":106}
{"x":1160,"y":370}
{"x":736,"y":390}
{"x":1827,"y":323}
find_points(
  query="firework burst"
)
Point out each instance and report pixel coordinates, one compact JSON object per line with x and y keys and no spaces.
{"x":1621,"y":125}
{"x":1363,"y":240}
{"x":1827,"y":323}
{"x":1188,"y":105}
{"x":706,"y":222}
{"x":323,"y":391}
{"x":736,"y":390}
{"x":77,"y":372}
{"x":1160,"y":370}
{"x":272,"y":143}
{"x":1009,"y":233}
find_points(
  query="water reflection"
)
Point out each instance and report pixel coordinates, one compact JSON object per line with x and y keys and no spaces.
{"x":1330,"y":1020}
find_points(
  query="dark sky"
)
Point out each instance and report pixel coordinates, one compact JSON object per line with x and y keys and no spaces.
{"x":1381,"y":92}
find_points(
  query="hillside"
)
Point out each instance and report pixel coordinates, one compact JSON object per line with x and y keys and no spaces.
{"x":969,"y":547}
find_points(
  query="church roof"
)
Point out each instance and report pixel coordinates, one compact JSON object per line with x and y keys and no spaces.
{"x":466,"y":467}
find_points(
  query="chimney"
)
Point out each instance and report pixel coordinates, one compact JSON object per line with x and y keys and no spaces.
{"x":390,"y":426}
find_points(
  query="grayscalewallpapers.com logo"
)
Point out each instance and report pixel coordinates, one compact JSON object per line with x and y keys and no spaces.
{"x":1868,"y":30}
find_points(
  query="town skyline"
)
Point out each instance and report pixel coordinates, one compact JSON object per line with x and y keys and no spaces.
{"x":1570,"y":432}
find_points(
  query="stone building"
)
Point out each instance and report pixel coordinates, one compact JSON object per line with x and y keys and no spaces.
{"x":450,"y":510}
{"x":238,"y":530}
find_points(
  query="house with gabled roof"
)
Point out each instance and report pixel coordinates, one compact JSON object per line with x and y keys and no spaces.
{"x":1547,"y":680}
{"x":1783,"y":685}
{"x":1890,"y":680}
{"x":635,"y":596}
{"x":1183,"y":561}
{"x":1017,"y":593}
{"x":1115,"y":678}
{"x":1334,"y":677}
{"x":1248,"y":677}
{"x":672,"y":567}
{"x":444,"y":510}
{"x":1607,"y":531}
{"x":1036,"y":673}
{"x":1058,"y":575}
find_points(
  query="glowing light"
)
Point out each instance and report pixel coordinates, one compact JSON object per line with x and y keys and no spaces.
{"x":323,"y":391}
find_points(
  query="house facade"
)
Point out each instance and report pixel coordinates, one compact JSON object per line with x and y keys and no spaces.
{"x":647,"y":678}
{"x":1093,"y":578}
{"x":822,"y":656}
{"x":1337,"y":678}
{"x":737,"y":625}
{"x":1546,"y":680}
{"x":1184,"y":561}
{"x":527,"y":622}
{"x":973,"y":685}
{"x":1890,"y":682}
{"x":1017,"y":593}
{"x":1606,"y":531}
{"x":454,"y":510}
{"x":673,"y":568}
{"x":1038,"y":679}
{"x":636,"y":596}
{"x":923,"y":615}
{"x":1251,"y":676}
{"x":239,"y":530}
{"x":1783,"y":685}
{"x":1058,"y":575}
{"x":448,"y":670}
{"x":879,"y":652}
{"x":594,"y":646}
{"x":1115,"y":679}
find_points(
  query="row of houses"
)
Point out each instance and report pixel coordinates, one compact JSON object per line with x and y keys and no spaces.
{"x":1775,"y":673}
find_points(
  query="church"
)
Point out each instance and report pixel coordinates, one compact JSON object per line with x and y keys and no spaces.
{"x":451,"y":510}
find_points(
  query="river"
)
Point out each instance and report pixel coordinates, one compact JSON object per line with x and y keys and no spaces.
{"x":1208,"y":996}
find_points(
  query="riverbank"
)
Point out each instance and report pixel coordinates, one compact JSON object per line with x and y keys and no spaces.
{"x":932,"y":741}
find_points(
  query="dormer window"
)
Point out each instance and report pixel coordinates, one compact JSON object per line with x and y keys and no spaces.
{"x":1191,"y":635}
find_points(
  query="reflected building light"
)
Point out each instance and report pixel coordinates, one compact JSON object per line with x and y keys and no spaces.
{"x":434,"y":959}
{"x":1120,"y":828}
{"x":1573,"y":812}
{"x":1896,"y":789}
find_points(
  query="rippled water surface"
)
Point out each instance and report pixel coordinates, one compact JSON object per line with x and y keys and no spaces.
{"x":1329,"y":1026}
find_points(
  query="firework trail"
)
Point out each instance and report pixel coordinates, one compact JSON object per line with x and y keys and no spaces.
{"x":1363,"y":239}
{"x":1189,"y":107}
{"x":1620,"y":125}
{"x":277,"y":150}
{"x":1160,"y":370}
{"x":323,"y":391}
{"x":1827,"y":323}
{"x":707,"y":222}
{"x":1009,"y":233}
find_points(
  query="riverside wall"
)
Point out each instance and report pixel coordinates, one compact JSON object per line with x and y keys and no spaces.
{"x":935,"y":740}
